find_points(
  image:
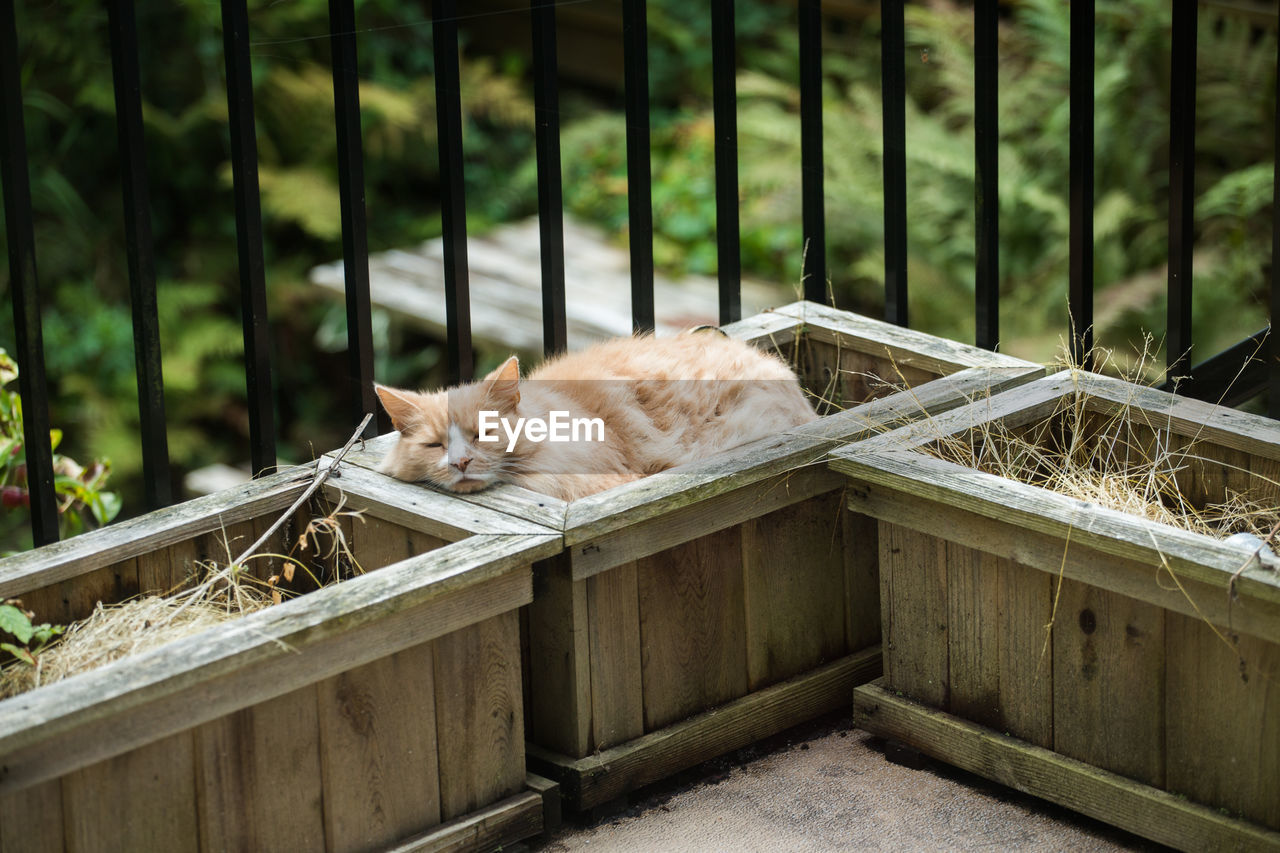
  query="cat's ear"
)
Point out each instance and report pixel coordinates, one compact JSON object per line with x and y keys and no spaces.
{"x":504,"y":384}
{"x":402,"y":406}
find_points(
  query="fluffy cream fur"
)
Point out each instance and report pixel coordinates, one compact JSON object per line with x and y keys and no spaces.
{"x":664,"y":402}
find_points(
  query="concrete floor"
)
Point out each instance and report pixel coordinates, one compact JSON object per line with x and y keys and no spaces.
{"x":828,"y":787}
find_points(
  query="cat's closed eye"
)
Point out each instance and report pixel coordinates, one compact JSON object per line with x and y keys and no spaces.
{"x":434,"y":444}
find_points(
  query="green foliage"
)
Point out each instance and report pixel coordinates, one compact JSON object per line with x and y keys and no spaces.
{"x":31,"y":639}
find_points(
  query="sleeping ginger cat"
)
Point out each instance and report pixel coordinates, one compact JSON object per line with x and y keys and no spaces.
{"x":645,"y":404}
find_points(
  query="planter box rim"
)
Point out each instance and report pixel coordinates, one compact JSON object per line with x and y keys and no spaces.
{"x":168,"y":675}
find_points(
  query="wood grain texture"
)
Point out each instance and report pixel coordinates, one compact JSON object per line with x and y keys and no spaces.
{"x":31,"y":819}
{"x":258,"y":777}
{"x":1119,"y":801}
{"x":1024,"y":604}
{"x":559,"y":708}
{"x":378,"y":751}
{"x":142,"y":800}
{"x":973,"y":634}
{"x":377,"y":543}
{"x":1031,"y":518}
{"x":604,"y":776}
{"x":692,"y":627}
{"x":496,"y":827}
{"x":109,"y":711}
{"x":613,"y":630}
{"x":913,"y":590}
{"x":479,"y":724}
{"x":829,"y":389}
{"x":794,"y":579}
{"x":861,"y":548}
{"x":1108,"y":682}
{"x":1223,"y":736}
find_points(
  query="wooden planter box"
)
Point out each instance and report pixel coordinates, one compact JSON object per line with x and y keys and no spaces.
{"x":1151,"y":703}
{"x":706,"y":607}
{"x":385,"y":709}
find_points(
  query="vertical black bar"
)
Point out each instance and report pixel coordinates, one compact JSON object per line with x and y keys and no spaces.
{"x":24,"y":286}
{"x":1182,"y":124}
{"x":546,"y":105}
{"x":635,"y":56}
{"x":1080,"y":288}
{"x":355,"y":237}
{"x":453,"y":201}
{"x":986,"y":140}
{"x":140,"y":250}
{"x":253,"y":287}
{"x":811,"y":165}
{"x":893,"y":86}
{"x":725,"y":94}
{"x":1273,"y":339}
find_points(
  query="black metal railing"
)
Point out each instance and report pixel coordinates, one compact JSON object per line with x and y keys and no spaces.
{"x":1206,"y":378}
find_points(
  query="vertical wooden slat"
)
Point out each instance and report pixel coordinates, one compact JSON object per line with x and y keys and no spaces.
{"x":1182,"y":156}
{"x":31,"y":818}
{"x":1108,"y":682}
{"x":258,"y":780}
{"x":253,"y":286}
{"x":24,"y":290}
{"x":913,"y":590}
{"x":613,"y":627}
{"x":973,"y":635}
{"x":794,"y":578}
{"x":692,"y":627}
{"x":860,"y":544}
{"x":559,"y":660}
{"x":893,"y":86}
{"x":480,"y":731}
{"x":1080,"y":135}
{"x":1223,"y":734}
{"x":1024,"y":605}
{"x":140,"y":251}
{"x":725,"y":109}
{"x":635,"y":47}
{"x":546,"y":100}
{"x":144,"y":799}
{"x":351,"y":196}
{"x":378,"y":751}
{"x":453,"y":204}
{"x":987,"y":148}
{"x":813,"y":216}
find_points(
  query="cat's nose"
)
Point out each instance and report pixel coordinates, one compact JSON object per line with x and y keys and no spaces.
{"x":462,"y":463}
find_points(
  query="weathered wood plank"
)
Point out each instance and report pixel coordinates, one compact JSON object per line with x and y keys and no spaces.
{"x":480,"y":727}
{"x":1130,"y":805}
{"x":1045,"y":552}
{"x":910,"y":348}
{"x":1223,"y":736}
{"x":605,"y":776}
{"x":494,"y":828}
{"x":378,"y":543}
{"x":559,"y":706}
{"x":142,"y":800}
{"x":913,"y":592}
{"x":767,"y":330}
{"x":613,"y":630}
{"x":1108,"y":682}
{"x":719,"y":512}
{"x":822,"y":378}
{"x":147,"y":533}
{"x":258,"y":777}
{"x":31,"y":819}
{"x":1024,"y":604}
{"x":1195,"y":558}
{"x":692,"y":627}
{"x":378,"y":751}
{"x":794,"y":576}
{"x":662,"y":493}
{"x":510,"y":501}
{"x":76,"y":722}
{"x":973,"y":634}
{"x":860,"y":544}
